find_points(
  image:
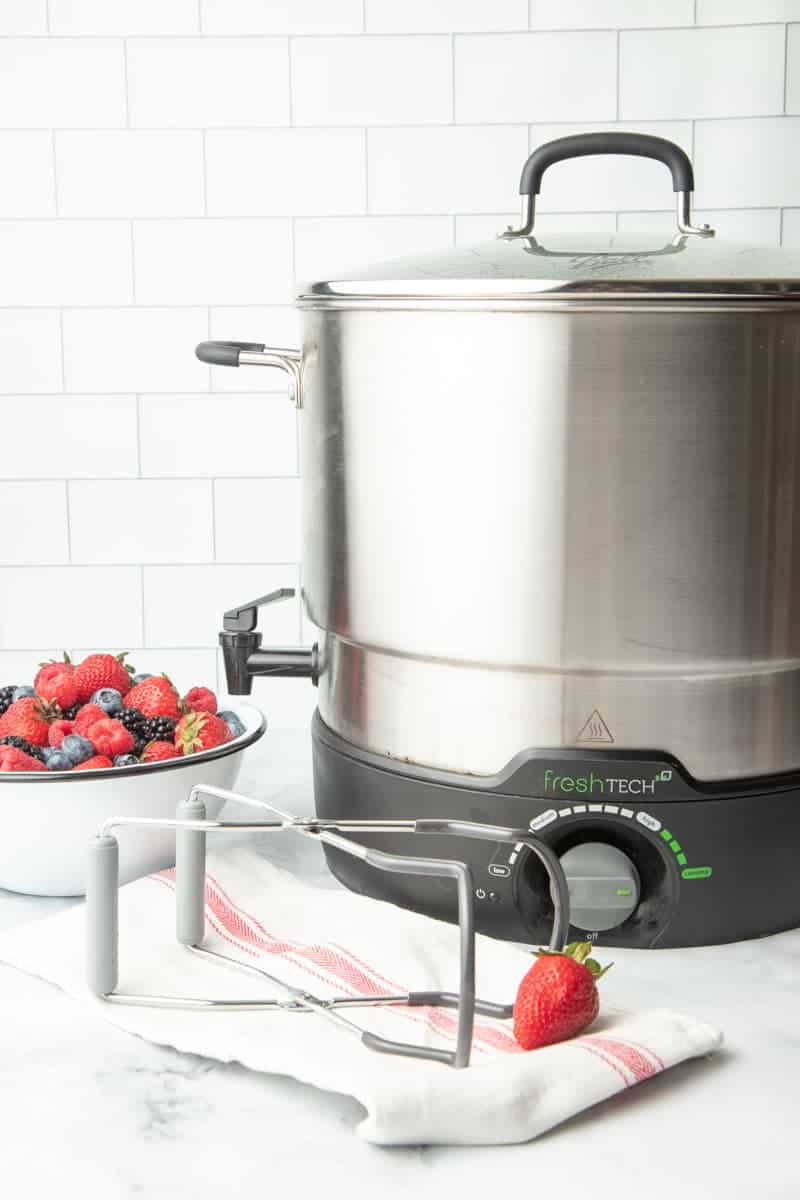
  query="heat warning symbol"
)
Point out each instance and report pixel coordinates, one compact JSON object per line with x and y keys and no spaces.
{"x":595,"y":729}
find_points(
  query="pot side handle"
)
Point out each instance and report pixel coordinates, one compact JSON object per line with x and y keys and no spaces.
{"x":255,"y":354}
{"x":580,"y":145}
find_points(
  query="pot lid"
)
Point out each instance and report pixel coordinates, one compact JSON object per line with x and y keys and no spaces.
{"x":691,"y":263}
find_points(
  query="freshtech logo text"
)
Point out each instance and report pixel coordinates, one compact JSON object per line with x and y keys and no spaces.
{"x":601,"y":784}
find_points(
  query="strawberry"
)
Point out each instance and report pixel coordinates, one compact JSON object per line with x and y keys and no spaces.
{"x":27,"y":718}
{"x":86,"y":717}
{"x":200,"y":699}
{"x":102,"y":671}
{"x":96,"y":763}
{"x":155,"y":697}
{"x":57,"y":731}
{"x":110,"y":737}
{"x":558,"y":997}
{"x":49,"y":670}
{"x":200,"y":731}
{"x":159,"y":752}
{"x":59,"y":688}
{"x":12,"y":759}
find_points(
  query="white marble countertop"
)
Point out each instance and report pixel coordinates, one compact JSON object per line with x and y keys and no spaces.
{"x":87,"y":1110}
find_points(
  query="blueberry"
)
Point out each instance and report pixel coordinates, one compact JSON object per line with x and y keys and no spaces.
{"x":76,"y":748}
{"x":141,"y":678}
{"x":109,"y":699}
{"x":21,"y":692}
{"x":233,"y":722}
{"x":126,"y":760}
{"x":59,"y":761}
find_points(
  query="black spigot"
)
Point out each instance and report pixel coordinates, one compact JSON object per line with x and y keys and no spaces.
{"x":242,"y":653}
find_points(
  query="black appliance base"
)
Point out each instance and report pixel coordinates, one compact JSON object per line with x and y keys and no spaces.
{"x":715,"y":863}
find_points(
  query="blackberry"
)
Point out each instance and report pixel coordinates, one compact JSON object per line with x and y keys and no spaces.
{"x":159,"y":729}
{"x":71,"y":713}
{"x":138,"y":746}
{"x":133,"y":720}
{"x":6,"y":695}
{"x":21,"y":744}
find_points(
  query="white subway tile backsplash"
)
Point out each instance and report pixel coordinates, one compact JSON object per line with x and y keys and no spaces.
{"x":611,"y":14}
{"x":272,"y":325}
{"x":141,"y":520}
{"x":213,"y":261}
{"x":444,"y":16}
{"x":134,"y":349}
{"x":759,"y":226}
{"x":748,"y":164}
{"x":527,"y":77}
{"x":486,"y":227}
{"x":20,"y":666}
{"x":123,"y":17}
{"x":287,"y":703}
{"x":608,"y":182}
{"x":33,"y":517}
{"x":285,"y":172}
{"x":65,"y":262}
{"x":325,"y":246}
{"x":453,"y":169}
{"x":701,"y":72}
{"x":69,"y":606}
{"x":167,"y":188}
{"x":19,"y":17}
{"x":203,"y":435}
{"x":76,"y":437}
{"x":127,"y":173}
{"x":270,"y":508}
{"x":732,"y":12}
{"x":184,"y":605}
{"x":371,"y":80}
{"x":30,"y":350}
{"x":61,"y":82}
{"x":28,"y":180}
{"x":281,"y":16}
{"x":195,"y":82}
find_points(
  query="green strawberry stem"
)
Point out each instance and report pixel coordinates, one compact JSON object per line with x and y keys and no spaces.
{"x":580,"y":952}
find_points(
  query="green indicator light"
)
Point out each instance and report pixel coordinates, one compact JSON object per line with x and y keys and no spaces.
{"x":697,"y":873}
{"x":666,"y":835}
{"x":623,"y":891}
{"x":674,"y":845}
{"x":682,"y":859}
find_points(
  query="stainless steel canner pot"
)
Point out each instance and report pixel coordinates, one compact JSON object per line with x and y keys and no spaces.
{"x":550,"y":493}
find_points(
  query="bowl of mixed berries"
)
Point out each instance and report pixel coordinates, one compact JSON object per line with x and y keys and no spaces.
{"x":90,"y":740}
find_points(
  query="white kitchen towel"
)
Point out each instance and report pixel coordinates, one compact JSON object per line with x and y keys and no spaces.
{"x":336,"y":943}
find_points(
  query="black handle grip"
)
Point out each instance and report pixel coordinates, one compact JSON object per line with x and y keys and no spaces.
{"x":224,"y":354}
{"x":582,"y":144}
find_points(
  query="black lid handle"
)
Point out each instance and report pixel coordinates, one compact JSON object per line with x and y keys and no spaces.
{"x":642,"y":145}
{"x":579,"y":145}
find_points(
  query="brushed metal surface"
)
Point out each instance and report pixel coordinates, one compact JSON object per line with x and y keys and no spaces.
{"x":512,"y":519}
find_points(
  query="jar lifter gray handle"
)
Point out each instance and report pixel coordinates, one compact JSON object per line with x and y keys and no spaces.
{"x":580,"y":145}
{"x":254,"y":354}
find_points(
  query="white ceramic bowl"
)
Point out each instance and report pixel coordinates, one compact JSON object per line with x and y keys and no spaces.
{"x":47,"y":819}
